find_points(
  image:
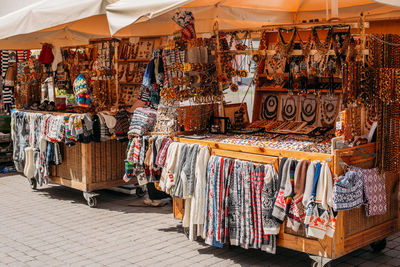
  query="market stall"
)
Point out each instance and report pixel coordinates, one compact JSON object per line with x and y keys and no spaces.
{"x":323,"y":140}
{"x":71,"y":128}
{"x":316,"y":104}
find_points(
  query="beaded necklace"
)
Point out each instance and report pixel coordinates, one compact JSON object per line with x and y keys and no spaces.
{"x":324,"y":47}
{"x":289,"y":109}
{"x":308,"y":109}
{"x":286,"y":48}
{"x":270,"y":108}
{"x":305,"y":47}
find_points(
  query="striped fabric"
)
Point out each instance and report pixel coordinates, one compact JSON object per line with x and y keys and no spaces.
{"x":5,"y":57}
{"x":8,"y":95}
{"x":23,"y":55}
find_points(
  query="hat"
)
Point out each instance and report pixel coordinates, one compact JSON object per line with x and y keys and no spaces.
{"x":82,"y":93}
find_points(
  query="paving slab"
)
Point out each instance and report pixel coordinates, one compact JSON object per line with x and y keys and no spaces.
{"x":53,"y":226}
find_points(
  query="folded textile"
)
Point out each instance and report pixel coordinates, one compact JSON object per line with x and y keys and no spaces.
{"x":142,"y":121}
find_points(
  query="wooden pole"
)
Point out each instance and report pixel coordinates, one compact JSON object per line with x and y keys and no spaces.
{"x":219,"y":68}
{"x":116,"y":66}
{"x":362,"y":36}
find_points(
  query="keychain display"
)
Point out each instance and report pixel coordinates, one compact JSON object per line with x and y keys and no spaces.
{"x":191,"y":72}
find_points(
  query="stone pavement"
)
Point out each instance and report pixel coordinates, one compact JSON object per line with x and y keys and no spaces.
{"x":53,"y":226}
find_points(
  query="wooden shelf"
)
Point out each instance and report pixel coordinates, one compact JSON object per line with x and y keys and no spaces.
{"x":82,"y":62}
{"x":286,"y":75}
{"x":271,"y":88}
{"x":295,"y":52}
{"x":135,"y":60}
{"x":281,"y":89}
{"x":133,"y":83}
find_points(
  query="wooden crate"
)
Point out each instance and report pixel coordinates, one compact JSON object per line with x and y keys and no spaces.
{"x":93,"y":166}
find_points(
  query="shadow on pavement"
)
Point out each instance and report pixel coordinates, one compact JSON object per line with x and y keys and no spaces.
{"x":109,"y":200}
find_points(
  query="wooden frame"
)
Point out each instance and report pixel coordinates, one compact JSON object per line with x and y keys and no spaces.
{"x":354,"y":229}
{"x":230,"y":110}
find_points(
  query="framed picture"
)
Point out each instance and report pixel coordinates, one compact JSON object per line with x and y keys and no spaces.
{"x":230,"y":110}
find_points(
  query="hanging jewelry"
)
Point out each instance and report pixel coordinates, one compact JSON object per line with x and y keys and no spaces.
{"x":341,"y":49}
{"x":269,"y":108}
{"x":289,"y":109}
{"x":239,"y":45}
{"x":305,"y":47}
{"x":286,"y":48}
{"x":308,"y":109}
{"x":324,"y":47}
{"x":276,"y":62}
{"x":330,"y":72}
{"x":290,"y":83}
{"x":234,"y":87}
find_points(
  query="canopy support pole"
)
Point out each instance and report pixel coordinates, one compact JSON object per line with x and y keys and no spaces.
{"x":327,"y":9}
{"x":334,"y":10}
{"x":116,"y":66}
{"x":219,"y":68}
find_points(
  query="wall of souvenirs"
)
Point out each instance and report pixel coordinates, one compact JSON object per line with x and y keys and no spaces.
{"x":311,"y":96}
{"x":307,"y":88}
{"x":70,"y":96}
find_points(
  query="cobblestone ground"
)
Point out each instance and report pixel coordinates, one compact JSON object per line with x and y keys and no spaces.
{"x":53,"y":226}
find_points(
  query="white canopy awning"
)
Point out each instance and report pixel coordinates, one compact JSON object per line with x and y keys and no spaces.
{"x":74,"y":22}
{"x":395,"y":3}
{"x":123,"y":13}
{"x":59,"y":22}
{"x":133,"y":18}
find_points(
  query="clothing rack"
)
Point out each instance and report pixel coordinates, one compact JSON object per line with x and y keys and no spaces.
{"x":55,"y":113}
{"x":245,"y":156}
{"x":354,"y":229}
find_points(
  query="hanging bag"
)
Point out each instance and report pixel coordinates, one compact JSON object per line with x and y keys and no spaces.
{"x":46,"y":54}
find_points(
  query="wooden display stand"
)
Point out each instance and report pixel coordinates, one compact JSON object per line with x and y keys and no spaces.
{"x":90,"y":167}
{"x":354,"y":229}
{"x":93,"y":166}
